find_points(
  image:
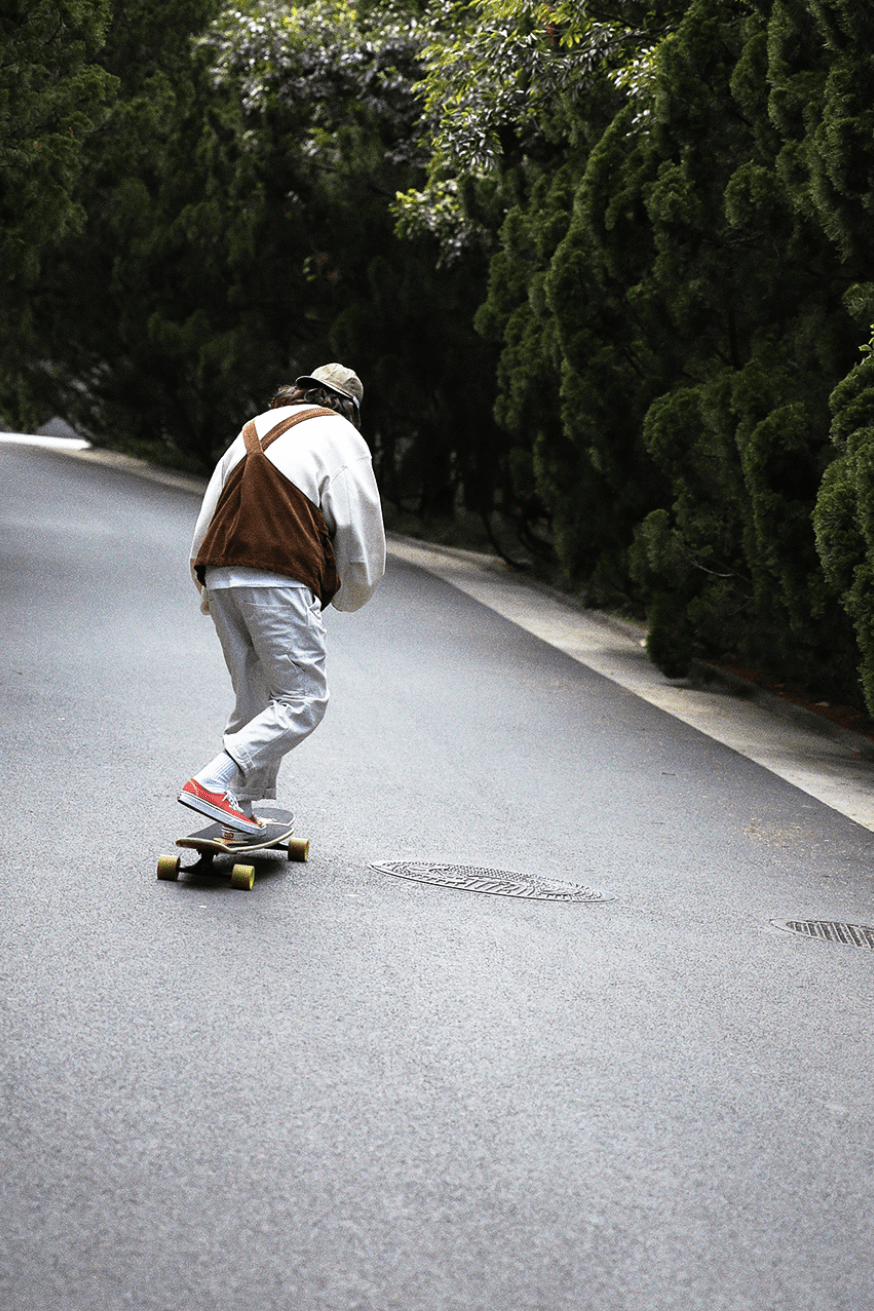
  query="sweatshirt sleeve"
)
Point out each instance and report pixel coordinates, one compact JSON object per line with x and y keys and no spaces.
{"x":353,"y":515}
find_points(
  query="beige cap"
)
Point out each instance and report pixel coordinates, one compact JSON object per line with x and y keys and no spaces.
{"x":338,"y":378}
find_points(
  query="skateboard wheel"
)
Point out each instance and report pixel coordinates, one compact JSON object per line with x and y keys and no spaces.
{"x":168,"y":867}
{"x":299,"y":849}
{"x":243,"y":876}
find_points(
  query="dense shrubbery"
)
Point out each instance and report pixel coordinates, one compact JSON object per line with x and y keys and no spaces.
{"x":605,"y":267}
{"x":702,"y":293}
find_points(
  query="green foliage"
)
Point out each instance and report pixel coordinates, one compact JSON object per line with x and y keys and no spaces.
{"x":609,"y":330}
{"x":516,"y":317}
{"x":496,"y":65}
{"x":506,"y":78}
{"x":670,"y":638}
{"x":52,"y":96}
{"x":333,"y":121}
{"x":844,"y":515}
{"x":240,"y":232}
{"x":668,"y":351}
{"x":146,"y":271}
{"x":220,"y":205}
{"x":698,"y":331}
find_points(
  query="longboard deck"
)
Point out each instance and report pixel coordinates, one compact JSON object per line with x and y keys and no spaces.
{"x":212,"y":838}
{"x":280,"y":826}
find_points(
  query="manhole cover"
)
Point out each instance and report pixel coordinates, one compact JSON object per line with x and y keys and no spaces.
{"x":851,"y":935}
{"x":499,"y":882}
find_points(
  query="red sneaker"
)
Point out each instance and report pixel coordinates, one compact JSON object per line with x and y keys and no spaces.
{"x":220,"y":806}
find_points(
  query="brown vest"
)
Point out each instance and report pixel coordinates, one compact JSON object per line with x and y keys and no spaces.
{"x":262,"y":521}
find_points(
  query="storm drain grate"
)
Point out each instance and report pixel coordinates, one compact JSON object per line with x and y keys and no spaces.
{"x":498,"y":882}
{"x":851,"y":935}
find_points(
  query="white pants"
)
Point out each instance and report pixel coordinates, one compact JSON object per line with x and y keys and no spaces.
{"x":273,"y":641}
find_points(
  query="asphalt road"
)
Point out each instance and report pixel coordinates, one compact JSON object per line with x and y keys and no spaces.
{"x":345,"y":1091}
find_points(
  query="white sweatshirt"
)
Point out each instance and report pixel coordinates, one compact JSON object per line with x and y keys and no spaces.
{"x":329,"y":461}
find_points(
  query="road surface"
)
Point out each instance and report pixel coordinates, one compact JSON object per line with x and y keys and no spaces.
{"x":348,"y":1091}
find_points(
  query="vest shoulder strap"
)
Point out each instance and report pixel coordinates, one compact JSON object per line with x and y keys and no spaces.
{"x":250,"y":434}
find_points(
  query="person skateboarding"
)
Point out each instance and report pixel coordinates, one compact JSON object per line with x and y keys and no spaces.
{"x":290,"y":522}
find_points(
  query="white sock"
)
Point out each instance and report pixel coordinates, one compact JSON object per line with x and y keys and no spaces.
{"x":219,"y":775}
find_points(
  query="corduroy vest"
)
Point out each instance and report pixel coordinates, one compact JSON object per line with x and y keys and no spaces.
{"x":262,"y":521}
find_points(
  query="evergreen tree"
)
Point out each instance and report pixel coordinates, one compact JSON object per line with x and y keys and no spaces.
{"x":516,"y":316}
{"x":829,"y":154}
{"x":241,"y":231}
{"x":547,"y":304}
{"x":731,"y":562}
{"x":844,"y":516}
{"x":714,"y":307}
{"x":52,"y":96}
{"x":136,"y":277}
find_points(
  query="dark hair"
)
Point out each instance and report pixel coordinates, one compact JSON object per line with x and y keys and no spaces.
{"x":291,"y":395}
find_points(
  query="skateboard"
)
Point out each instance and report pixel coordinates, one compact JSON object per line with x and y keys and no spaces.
{"x":216,"y":840}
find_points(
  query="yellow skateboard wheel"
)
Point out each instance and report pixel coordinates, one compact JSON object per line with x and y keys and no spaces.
{"x":243,"y":876}
{"x":299,"y":849}
{"x":168,"y":867}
